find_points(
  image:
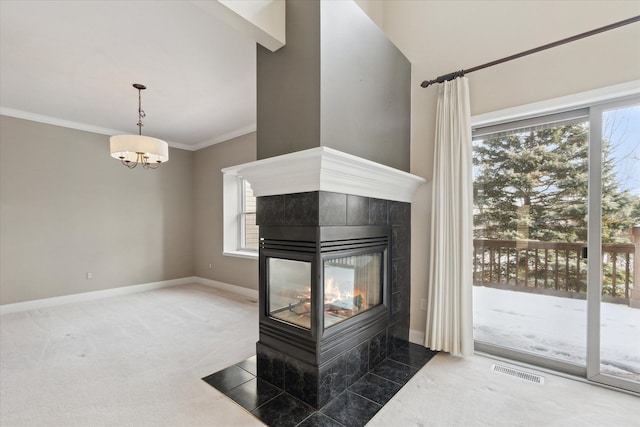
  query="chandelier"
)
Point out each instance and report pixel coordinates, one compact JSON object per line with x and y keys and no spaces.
{"x":138,"y":149}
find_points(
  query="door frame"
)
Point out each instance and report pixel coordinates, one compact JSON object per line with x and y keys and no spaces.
{"x":594,"y":243}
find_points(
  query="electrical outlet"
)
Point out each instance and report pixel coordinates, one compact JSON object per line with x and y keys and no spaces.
{"x":209,"y":266}
{"x":89,"y":276}
{"x":423,"y":304}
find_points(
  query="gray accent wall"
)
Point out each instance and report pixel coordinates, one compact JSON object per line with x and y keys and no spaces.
{"x":67,"y":208}
{"x":364,"y":87}
{"x":339,"y":82}
{"x":288,"y":86}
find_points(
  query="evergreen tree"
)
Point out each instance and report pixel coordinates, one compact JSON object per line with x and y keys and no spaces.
{"x":533,"y":185}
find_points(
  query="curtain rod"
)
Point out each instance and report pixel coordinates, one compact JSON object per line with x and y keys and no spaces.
{"x":461,"y":73}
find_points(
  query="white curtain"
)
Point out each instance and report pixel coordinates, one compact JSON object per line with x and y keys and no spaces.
{"x":449,"y":311}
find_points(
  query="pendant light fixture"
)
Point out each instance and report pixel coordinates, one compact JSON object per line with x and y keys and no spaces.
{"x":132,"y":150}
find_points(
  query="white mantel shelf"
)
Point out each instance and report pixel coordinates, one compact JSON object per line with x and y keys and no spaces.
{"x":326,"y":169}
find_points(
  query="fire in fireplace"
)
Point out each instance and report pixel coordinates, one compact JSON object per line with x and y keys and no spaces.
{"x":352,"y":285}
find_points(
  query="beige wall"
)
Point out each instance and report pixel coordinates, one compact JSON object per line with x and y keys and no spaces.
{"x":68,"y":208}
{"x":208,"y":213}
{"x":439,"y":37}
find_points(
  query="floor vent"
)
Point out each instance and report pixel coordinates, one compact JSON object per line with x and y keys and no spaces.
{"x":533,"y":378}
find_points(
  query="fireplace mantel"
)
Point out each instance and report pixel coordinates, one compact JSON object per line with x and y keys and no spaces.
{"x":326,"y":169}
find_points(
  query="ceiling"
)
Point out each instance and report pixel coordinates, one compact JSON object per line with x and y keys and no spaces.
{"x":76,"y":61}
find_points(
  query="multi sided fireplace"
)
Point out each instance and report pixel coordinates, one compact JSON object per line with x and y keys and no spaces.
{"x":352,"y":284}
{"x":324,"y":289}
{"x":334,"y":262}
{"x":326,"y":300}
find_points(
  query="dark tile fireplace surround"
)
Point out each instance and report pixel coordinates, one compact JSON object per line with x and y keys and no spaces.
{"x":312,"y":369}
{"x":346,"y":381}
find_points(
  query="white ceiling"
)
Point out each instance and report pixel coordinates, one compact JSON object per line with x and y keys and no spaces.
{"x":76,"y":61}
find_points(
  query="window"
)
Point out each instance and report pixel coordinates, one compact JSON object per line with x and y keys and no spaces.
{"x":240,"y":232}
{"x":248,"y":228}
{"x":556,"y":203}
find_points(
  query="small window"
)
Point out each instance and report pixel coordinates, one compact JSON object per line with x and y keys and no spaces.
{"x":248,"y":228}
{"x":240,"y":232}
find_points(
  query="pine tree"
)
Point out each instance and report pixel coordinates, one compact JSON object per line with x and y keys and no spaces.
{"x":533,"y":185}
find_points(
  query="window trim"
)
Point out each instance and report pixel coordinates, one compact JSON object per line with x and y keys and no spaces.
{"x":557,"y":105}
{"x":555,"y":119}
{"x":231,"y":194}
{"x":242,"y":212}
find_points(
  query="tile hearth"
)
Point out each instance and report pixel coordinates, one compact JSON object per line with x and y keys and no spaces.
{"x":353,"y":407}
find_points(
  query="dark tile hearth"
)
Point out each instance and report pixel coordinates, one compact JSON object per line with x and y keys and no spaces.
{"x":228,"y":378}
{"x":283,"y":410}
{"x":253,"y":393}
{"x":395,"y":371}
{"x":353,"y":407}
{"x":350,"y":409}
{"x":318,"y":419}
{"x":251,"y":365}
{"x":415,"y":356}
{"x":375,"y":388}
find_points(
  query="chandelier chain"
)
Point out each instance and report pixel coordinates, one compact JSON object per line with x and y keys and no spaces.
{"x":141,"y":113}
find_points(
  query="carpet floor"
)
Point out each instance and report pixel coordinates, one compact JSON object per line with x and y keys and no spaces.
{"x":138,"y":360}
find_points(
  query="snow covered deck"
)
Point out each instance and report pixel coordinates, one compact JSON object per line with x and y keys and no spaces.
{"x":556,"y":327}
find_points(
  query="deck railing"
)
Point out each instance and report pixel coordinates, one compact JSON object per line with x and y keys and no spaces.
{"x":551,"y":267}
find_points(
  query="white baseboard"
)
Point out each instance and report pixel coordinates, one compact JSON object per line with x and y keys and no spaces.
{"x":250,"y":293}
{"x":124,"y":290}
{"x":88,"y":296}
{"x":416,"y":336}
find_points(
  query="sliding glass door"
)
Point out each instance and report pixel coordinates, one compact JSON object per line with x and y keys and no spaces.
{"x":555,"y":201}
{"x":530,"y":231}
{"x":614,"y":305}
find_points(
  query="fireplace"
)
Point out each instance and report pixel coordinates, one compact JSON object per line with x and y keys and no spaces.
{"x":323,"y":289}
{"x":351,"y":284}
{"x":334,"y":268}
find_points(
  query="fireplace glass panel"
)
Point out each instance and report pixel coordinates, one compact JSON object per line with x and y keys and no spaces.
{"x":289,"y":290}
{"x":352,"y":285}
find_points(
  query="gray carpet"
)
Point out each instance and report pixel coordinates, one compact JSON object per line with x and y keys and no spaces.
{"x":137,"y":360}
{"x":452,"y":391}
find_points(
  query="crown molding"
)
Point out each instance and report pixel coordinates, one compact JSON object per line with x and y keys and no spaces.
{"x":325,"y":169}
{"x":225,"y":137}
{"x":19,"y":114}
{"x":40,"y":118}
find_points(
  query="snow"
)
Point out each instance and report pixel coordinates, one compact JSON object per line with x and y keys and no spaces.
{"x":556,"y":327}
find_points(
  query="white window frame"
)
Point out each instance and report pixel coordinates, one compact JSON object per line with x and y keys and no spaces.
{"x":232,"y":218}
{"x":242,"y":211}
{"x":596,"y":101}
{"x":557,"y":105}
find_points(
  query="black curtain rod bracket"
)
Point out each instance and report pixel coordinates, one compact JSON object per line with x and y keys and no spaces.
{"x":461,"y":73}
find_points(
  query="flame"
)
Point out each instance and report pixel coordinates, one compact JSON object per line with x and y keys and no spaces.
{"x":332,"y":292}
